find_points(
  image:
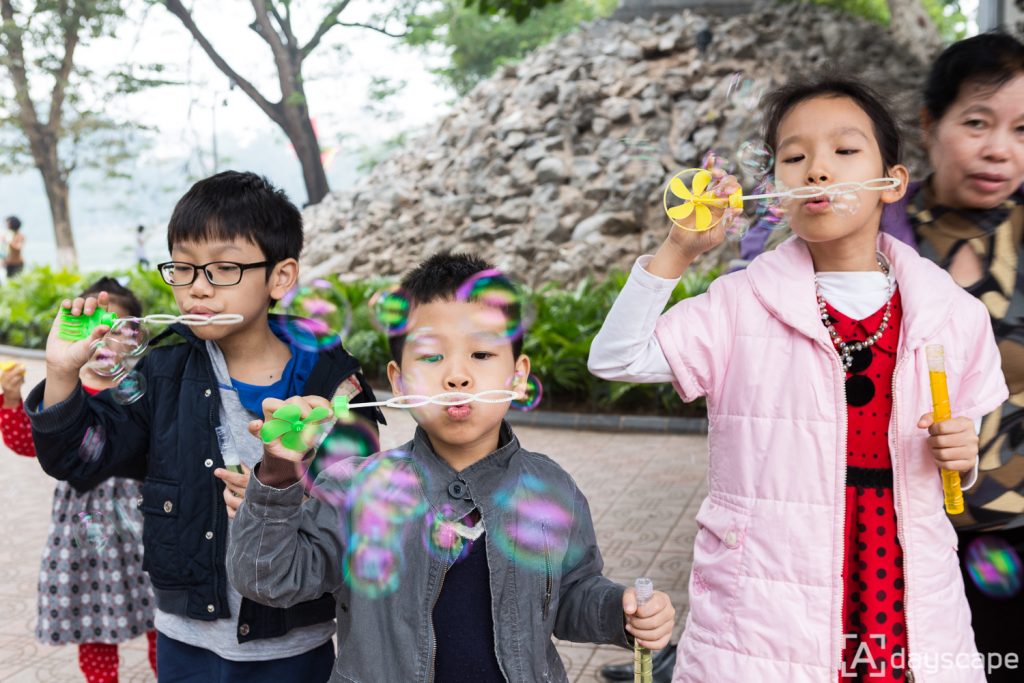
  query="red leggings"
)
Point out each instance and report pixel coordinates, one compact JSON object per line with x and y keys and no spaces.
{"x":98,"y":661}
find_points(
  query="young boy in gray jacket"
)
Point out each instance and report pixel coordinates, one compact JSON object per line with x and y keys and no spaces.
{"x":457,"y":556}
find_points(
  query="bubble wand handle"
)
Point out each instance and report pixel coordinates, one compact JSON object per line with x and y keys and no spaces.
{"x":954,"y":497}
{"x":643,"y":667}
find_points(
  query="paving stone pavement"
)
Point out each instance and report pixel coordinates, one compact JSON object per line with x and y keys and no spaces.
{"x":644,"y":491}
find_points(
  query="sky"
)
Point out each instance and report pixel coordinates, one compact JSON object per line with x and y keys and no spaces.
{"x":186,"y":119}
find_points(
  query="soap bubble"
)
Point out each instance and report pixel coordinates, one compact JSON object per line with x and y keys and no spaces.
{"x":534,"y":392}
{"x":744,"y":93}
{"x":371,"y":568}
{"x":351,"y":436}
{"x":107,"y":361}
{"x":128,"y":336}
{"x":506,"y":308}
{"x":318,"y":316}
{"x":716,"y":162}
{"x":737,"y":228}
{"x":536,"y":522}
{"x":444,"y":536}
{"x":994,"y":566}
{"x":128,"y":516}
{"x":89,"y":530}
{"x":130,"y":389}
{"x":755,"y":158}
{"x":382,"y":498}
{"x":389,"y":310}
{"x":844,"y":199}
{"x":92,"y":444}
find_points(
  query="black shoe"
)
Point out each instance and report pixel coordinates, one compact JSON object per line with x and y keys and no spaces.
{"x":663,"y":662}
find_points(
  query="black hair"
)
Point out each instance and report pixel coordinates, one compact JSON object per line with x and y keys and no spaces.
{"x":438,"y":279}
{"x":14,"y":223}
{"x":990,"y":59}
{"x":780,"y":102}
{"x":233,"y":205}
{"x":119,"y":295}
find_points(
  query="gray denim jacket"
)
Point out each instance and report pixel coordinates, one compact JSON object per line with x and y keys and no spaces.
{"x":545,"y":567}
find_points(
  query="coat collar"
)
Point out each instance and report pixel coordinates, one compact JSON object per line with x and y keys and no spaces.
{"x":783,"y":282}
{"x":473,"y":487}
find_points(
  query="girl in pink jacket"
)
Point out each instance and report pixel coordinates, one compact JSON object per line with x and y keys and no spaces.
{"x":823,"y":553}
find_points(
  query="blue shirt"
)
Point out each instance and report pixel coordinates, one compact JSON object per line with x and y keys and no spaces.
{"x":292,"y":381}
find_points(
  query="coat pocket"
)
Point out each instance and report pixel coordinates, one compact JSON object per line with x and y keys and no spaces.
{"x":160,"y":537}
{"x":717,"y":556}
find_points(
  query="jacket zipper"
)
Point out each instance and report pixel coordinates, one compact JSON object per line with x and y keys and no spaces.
{"x":433,"y":633}
{"x":896,"y":465}
{"x":844,"y":419}
{"x":547,"y":574}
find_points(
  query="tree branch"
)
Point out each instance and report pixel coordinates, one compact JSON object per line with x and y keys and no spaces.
{"x":67,"y":62}
{"x":329,"y":22}
{"x":16,"y":58}
{"x":284,"y":23}
{"x":378,"y":29}
{"x":271,"y":109}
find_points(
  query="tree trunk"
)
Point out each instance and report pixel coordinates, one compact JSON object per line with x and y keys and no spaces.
{"x":57,"y":194}
{"x":911,"y":26}
{"x":299,"y":130}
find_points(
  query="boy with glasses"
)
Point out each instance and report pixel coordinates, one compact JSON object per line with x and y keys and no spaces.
{"x":234,"y":243}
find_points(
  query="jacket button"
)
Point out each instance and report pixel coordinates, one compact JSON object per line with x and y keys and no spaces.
{"x":243,"y":630}
{"x":210,"y":608}
{"x":458,"y":489}
{"x":209,"y":535}
{"x":731,"y":539}
{"x":138,"y":502}
{"x":207,"y":393}
{"x":168,"y":506}
{"x":208,"y":463}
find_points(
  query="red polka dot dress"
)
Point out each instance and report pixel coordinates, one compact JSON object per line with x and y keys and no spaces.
{"x":873,"y":615}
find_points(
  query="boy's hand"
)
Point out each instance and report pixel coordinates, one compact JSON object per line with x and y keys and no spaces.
{"x":11,"y":382}
{"x":651,"y":625}
{"x":234,"y":487}
{"x":282,"y":467}
{"x":954,"y":443}
{"x":64,"y":359}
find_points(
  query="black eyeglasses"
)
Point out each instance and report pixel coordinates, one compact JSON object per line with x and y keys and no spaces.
{"x":218,"y":273}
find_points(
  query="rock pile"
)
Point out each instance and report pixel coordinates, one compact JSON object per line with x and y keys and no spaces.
{"x":554,"y":168}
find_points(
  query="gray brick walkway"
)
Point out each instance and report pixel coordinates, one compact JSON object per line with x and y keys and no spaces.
{"x":644,"y":490}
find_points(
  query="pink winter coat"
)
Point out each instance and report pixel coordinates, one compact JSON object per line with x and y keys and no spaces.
{"x":766,"y":590}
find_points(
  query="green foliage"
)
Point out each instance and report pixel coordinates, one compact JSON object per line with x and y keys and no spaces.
{"x":479,"y":43}
{"x":28,"y":303}
{"x":947,"y":14}
{"x":563,"y":324}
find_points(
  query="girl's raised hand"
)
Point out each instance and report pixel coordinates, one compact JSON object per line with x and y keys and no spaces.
{"x":684,"y":244}
{"x":11,"y":381}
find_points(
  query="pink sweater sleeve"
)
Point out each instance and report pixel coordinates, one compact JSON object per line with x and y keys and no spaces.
{"x":17,"y":431}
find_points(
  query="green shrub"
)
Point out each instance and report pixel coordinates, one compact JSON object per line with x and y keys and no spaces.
{"x":564,"y":323}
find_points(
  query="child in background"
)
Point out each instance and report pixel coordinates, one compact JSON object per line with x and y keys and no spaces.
{"x":517,"y":561}
{"x":92,"y":589}
{"x":823,"y":550}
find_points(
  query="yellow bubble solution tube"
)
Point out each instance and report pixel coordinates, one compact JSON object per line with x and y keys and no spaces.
{"x":940,"y":407}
